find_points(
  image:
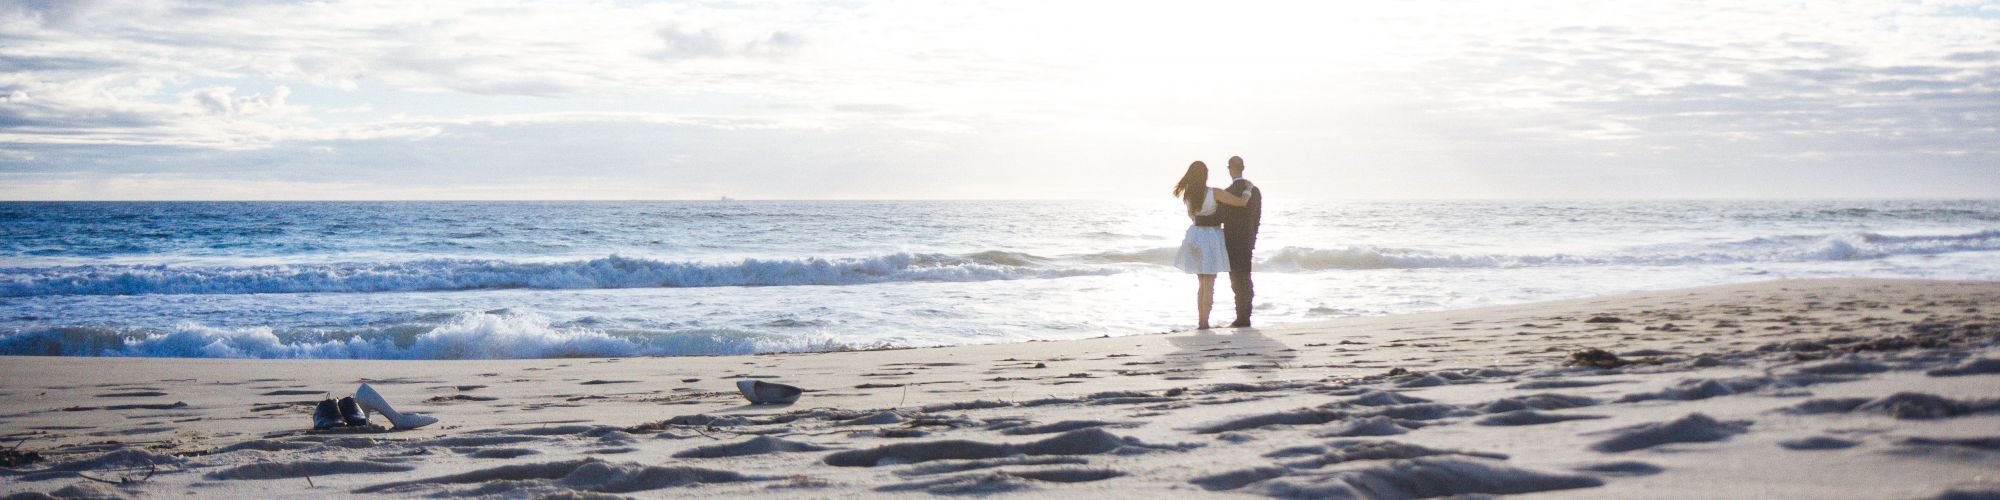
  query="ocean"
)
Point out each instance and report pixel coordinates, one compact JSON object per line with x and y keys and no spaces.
{"x":480,"y":280}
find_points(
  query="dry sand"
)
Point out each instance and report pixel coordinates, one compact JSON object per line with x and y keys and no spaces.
{"x":1788,"y":389}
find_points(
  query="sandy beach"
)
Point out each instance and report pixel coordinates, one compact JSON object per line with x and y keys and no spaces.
{"x":1782,"y":389}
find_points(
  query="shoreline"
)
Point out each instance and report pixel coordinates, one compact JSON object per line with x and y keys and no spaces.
{"x":1143,"y":402}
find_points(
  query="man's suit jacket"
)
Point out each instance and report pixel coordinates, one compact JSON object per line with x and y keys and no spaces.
{"x":1239,"y":224}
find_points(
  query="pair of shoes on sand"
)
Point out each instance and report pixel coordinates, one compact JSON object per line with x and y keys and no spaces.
{"x":345,"y":413}
{"x":354,"y":411}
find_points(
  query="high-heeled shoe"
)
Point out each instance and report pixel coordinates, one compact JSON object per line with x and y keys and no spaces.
{"x":372,"y":401}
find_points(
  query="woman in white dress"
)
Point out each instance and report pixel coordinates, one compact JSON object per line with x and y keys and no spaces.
{"x":1202,"y":252}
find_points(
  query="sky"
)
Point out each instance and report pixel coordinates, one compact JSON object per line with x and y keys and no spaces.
{"x":862,"y":99}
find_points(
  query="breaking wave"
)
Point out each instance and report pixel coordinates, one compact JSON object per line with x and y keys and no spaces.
{"x":453,"y":274}
{"x":627,"y":272}
{"x":1797,"y":248}
{"x":467,"y":336}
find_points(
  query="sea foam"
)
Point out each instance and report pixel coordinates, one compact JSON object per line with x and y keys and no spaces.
{"x":456,"y":274}
{"x":1795,"y":248}
{"x":629,"y":272}
{"x":467,"y":336}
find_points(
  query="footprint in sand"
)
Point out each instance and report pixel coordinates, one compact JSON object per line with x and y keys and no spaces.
{"x":292,"y":392}
{"x":1623,"y":469}
{"x":1531,"y":417}
{"x":759,"y":445}
{"x":589,"y":475}
{"x":1080,"y":442}
{"x":1694,"y":428}
{"x":1002,"y":481}
{"x":459,"y":397}
{"x":1817,"y":443}
{"x":1392,"y":470}
{"x":500,"y":453}
{"x":1901,"y":406}
{"x":1052,"y":428}
{"x":305,"y":468}
{"x":133,"y":394}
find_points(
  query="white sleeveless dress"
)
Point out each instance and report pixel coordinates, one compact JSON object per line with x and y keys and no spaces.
{"x":1202,"y":251}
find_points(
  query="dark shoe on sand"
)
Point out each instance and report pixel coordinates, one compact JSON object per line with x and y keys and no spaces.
{"x":327,"y":415}
{"x":1241,"y":323}
{"x":351,"y":413}
{"x":760,"y":392}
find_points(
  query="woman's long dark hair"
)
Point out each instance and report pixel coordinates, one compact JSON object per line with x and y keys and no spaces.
{"x":1193,"y":186}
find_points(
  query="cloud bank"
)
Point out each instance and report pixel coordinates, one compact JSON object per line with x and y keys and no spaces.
{"x":529,"y":99}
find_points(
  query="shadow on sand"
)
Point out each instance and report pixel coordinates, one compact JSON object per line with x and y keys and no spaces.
{"x":1239,"y":348}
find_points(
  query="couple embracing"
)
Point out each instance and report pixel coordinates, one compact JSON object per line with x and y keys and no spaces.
{"x":1222,"y":237}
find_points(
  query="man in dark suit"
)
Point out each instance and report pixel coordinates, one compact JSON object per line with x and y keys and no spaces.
{"x":1239,"y":236}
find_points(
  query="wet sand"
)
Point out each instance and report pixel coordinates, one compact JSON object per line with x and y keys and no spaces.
{"x":1783,"y":389}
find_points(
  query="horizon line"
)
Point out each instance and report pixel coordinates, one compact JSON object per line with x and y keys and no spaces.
{"x":865,"y":200}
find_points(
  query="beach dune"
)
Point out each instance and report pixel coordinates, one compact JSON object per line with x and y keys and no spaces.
{"x":1781,"y":389}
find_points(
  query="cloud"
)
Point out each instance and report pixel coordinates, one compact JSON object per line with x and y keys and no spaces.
{"x":677,"y":43}
{"x":779,"y":44}
{"x":51,"y":63}
{"x":126,"y":110}
{"x":1440,"y":89}
{"x":1981,"y":56}
{"x":60,"y":13}
{"x":1787,"y":90}
{"x":220,"y":101}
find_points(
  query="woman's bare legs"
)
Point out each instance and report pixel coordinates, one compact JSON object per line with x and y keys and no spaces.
{"x":1204,"y":297}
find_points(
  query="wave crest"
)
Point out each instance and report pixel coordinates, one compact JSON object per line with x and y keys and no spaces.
{"x":1798,"y":248}
{"x":467,"y":336}
{"x":448,"y":274}
{"x":626,"y":272}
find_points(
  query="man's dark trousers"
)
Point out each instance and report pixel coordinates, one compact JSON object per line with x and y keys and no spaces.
{"x":1239,"y":276}
{"x":1239,"y":237}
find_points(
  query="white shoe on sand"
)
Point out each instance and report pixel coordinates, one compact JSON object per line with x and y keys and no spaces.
{"x":372,"y":401}
{"x":759,"y":392}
